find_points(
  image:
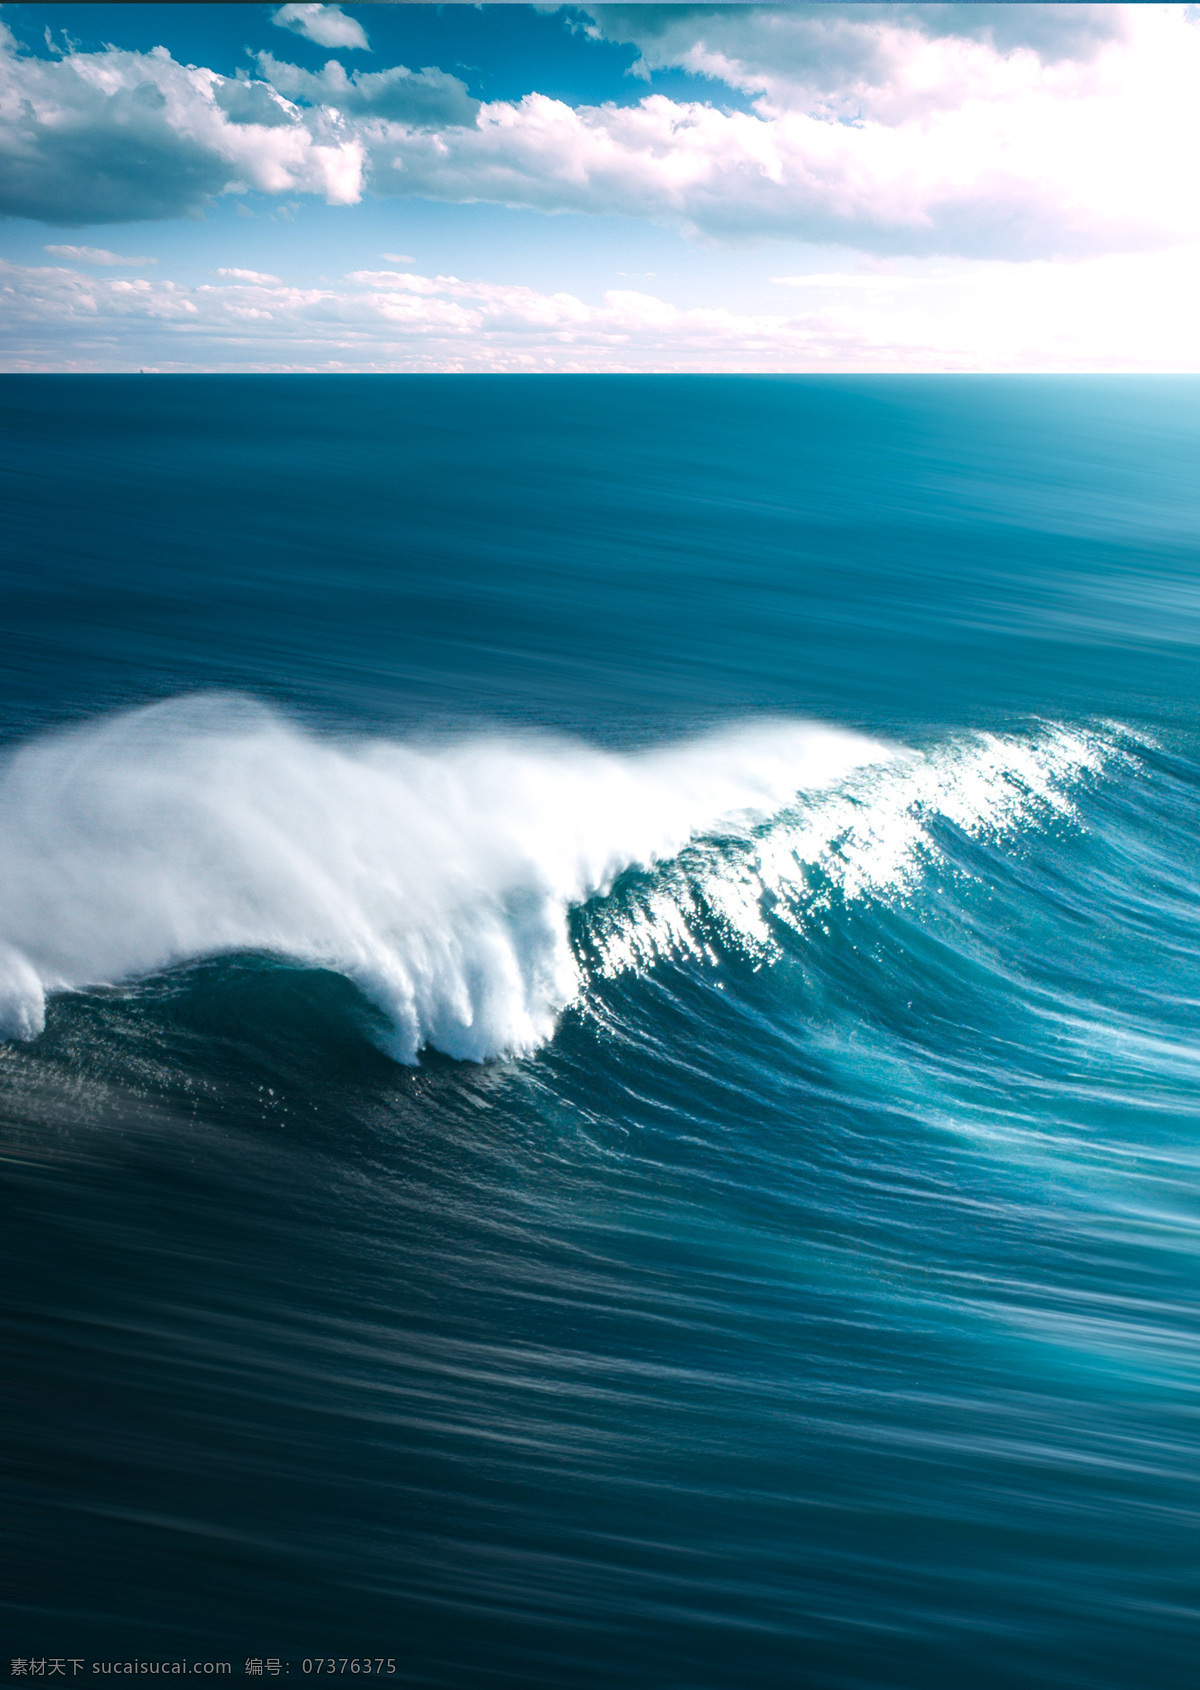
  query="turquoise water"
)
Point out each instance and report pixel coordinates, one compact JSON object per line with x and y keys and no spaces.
{"x":602,"y":1005}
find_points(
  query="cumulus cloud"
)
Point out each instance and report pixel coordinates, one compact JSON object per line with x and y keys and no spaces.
{"x":327,"y":25}
{"x":424,"y":99}
{"x":375,"y":319}
{"x":1009,"y":131}
{"x":116,"y":136}
{"x":957,"y":149}
{"x":1055,"y":31}
{"x":982,"y":317}
{"x":877,"y":58}
{"x":95,"y":255}
{"x":244,"y":101}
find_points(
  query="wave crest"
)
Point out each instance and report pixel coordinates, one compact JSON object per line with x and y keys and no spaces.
{"x":438,"y":878}
{"x":874,"y":834}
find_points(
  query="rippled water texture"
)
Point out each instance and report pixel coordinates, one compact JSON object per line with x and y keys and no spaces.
{"x":601,"y":1012}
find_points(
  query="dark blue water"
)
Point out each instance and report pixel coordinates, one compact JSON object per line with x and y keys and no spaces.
{"x":602,"y":984}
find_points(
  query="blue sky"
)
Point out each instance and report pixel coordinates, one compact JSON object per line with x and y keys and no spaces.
{"x":406,"y":186}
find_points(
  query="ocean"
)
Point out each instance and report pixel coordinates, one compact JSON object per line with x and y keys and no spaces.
{"x":600,"y":983}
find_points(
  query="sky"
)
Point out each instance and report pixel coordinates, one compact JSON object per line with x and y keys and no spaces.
{"x":412,"y":187}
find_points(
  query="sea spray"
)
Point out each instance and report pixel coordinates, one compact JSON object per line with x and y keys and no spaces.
{"x":438,"y":878}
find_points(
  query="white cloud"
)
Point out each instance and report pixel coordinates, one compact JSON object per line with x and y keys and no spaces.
{"x":397,"y":257}
{"x":426,"y":99}
{"x":327,"y":25}
{"x":117,"y":136}
{"x":879,"y":60}
{"x":1016,"y":132}
{"x":967,"y":151}
{"x":985,"y":316}
{"x":94,"y":255}
{"x":260,"y":276}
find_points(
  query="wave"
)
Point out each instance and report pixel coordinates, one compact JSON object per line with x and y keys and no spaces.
{"x":465,"y":887}
{"x":439,"y":878}
{"x":875,"y":834}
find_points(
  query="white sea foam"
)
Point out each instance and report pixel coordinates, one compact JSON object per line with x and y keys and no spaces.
{"x":438,"y":878}
{"x":873,"y":834}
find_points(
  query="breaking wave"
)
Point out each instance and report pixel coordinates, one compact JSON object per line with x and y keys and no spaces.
{"x":442,"y":879}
